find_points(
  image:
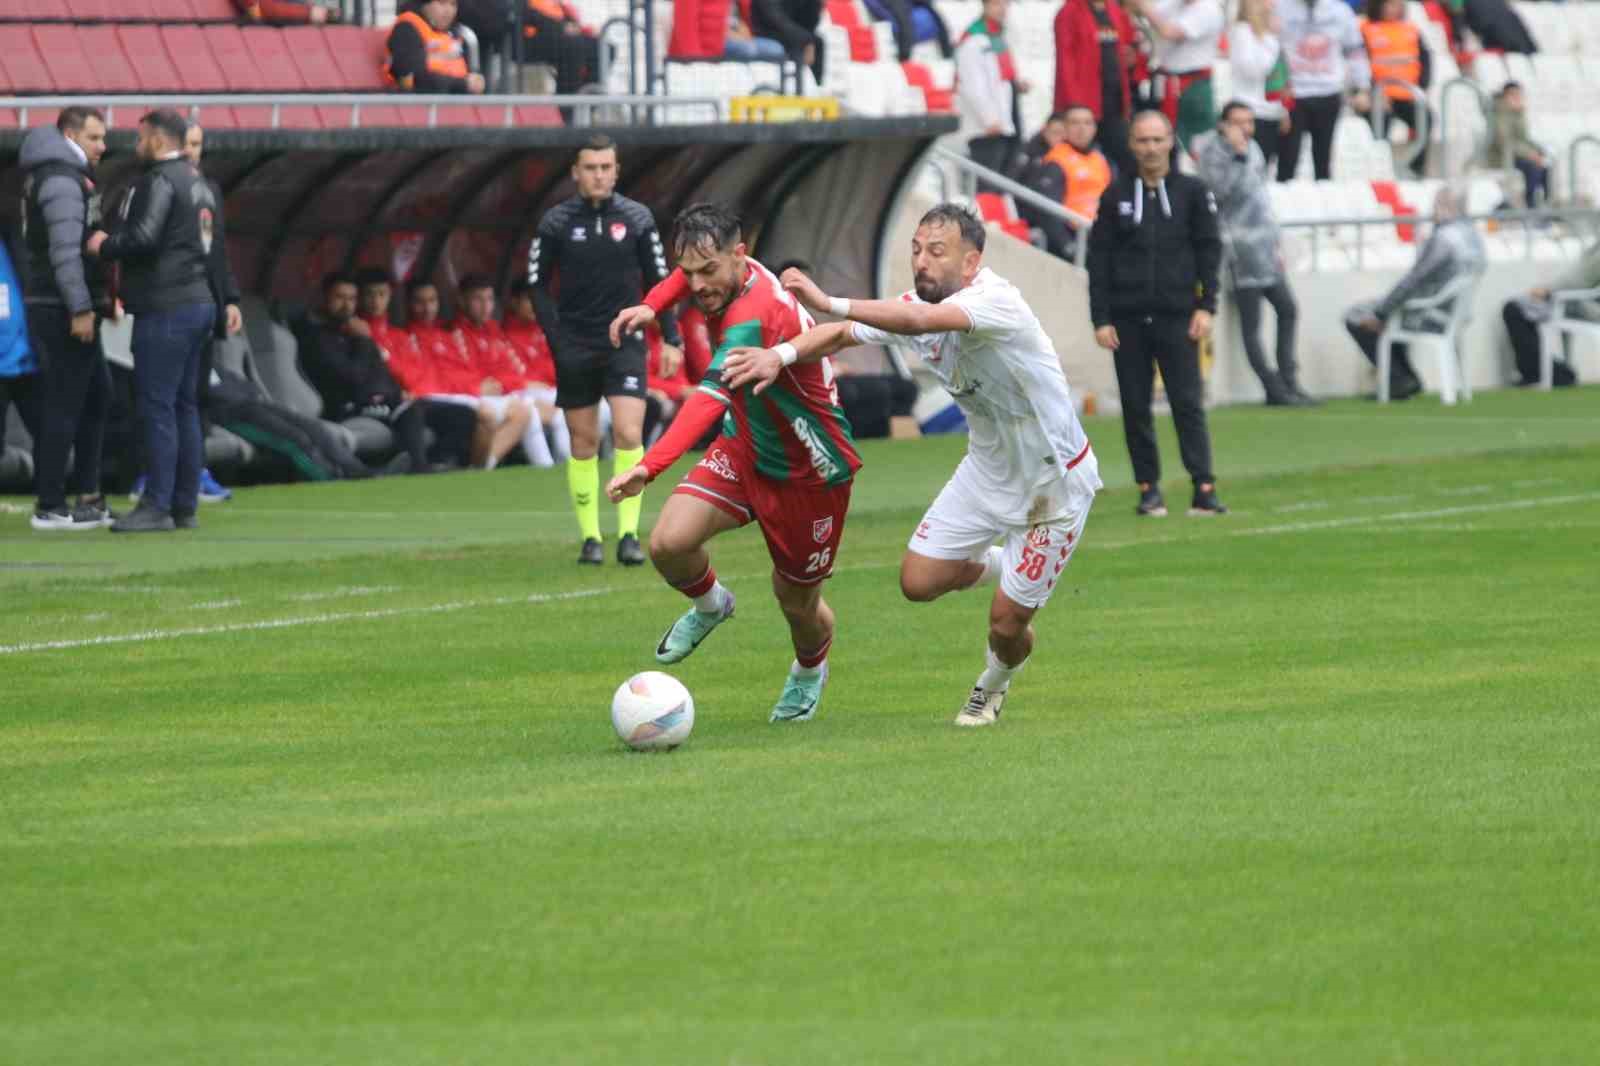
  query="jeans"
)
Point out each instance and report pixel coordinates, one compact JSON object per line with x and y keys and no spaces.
{"x":755,"y":50}
{"x":1535,"y":181}
{"x":1248,"y":301}
{"x":167,"y":348}
{"x":74,"y":398}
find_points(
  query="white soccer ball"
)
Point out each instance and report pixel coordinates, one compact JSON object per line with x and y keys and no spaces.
{"x":652,"y":711}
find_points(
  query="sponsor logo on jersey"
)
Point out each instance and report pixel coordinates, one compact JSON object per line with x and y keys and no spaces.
{"x":821,"y":461}
{"x":630,"y":382}
{"x":716,"y":461}
{"x":923,"y":528}
{"x":579,"y":233}
{"x":822,"y":529}
{"x":619,"y":231}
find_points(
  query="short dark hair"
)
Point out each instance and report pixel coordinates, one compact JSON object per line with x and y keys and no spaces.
{"x":168,"y":122}
{"x":1235,"y":105}
{"x":369,"y":276}
{"x":1508,"y":86}
{"x":705,"y":224}
{"x":474,"y":282}
{"x":798,"y":264}
{"x":1061,"y":116}
{"x":599,"y":142}
{"x":959,"y":216}
{"x":414,"y":287}
{"x":72,"y":118}
{"x":334,"y":278}
{"x":520,"y":287}
{"x":1150,"y":112}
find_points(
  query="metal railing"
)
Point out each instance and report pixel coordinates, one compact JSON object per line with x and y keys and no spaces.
{"x":194,"y":105}
{"x":1528,"y":220}
{"x":1380,"y":107}
{"x":1587,"y":140}
{"x":980,"y":173}
{"x":1480,"y":98}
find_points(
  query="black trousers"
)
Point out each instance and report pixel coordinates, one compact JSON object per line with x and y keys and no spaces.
{"x":992,"y":151}
{"x":575,"y":57}
{"x":1248,"y":301}
{"x":23,"y":391}
{"x":1406,"y":111}
{"x":1524,"y":334}
{"x":1316,"y":115}
{"x":452,"y":424}
{"x":1270,"y":138}
{"x":74,"y":400}
{"x":1400,"y":368}
{"x":870,"y":400}
{"x":1146,"y":342}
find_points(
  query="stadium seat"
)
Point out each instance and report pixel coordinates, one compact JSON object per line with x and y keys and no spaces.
{"x":30,"y":10}
{"x":308,"y":47}
{"x":1458,"y":296}
{"x":148,"y":56}
{"x":1563,"y":326}
{"x":235,"y":59}
{"x":279,"y":73}
{"x":115,"y":72}
{"x":208,"y":10}
{"x":24,"y":68}
{"x":359,"y":54}
{"x":198,"y":70}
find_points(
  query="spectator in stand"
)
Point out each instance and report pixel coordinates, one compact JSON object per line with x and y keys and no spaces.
{"x":66,"y":294}
{"x":1326,"y":57}
{"x":1187,"y":34}
{"x":1499,"y":28}
{"x":792,"y":22}
{"x":1261,"y":73}
{"x":913,"y":21}
{"x":343,"y":364}
{"x":288,"y":12}
{"x":1454,"y":248}
{"x":1395,"y":50}
{"x":987,"y":83}
{"x":532,"y":350}
{"x":1097,"y":63}
{"x":1030,"y":155}
{"x":427,"y":53}
{"x":553,"y":34}
{"x":501,"y":377}
{"x":1509,"y":145}
{"x":1233,"y":166}
{"x":1524,"y":315}
{"x":745,"y":46}
{"x":1075,"y":173}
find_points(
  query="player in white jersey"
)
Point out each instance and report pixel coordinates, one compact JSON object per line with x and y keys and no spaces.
{"x":1029,"y":475}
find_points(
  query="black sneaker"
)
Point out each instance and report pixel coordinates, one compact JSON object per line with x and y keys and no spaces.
{"x":94,"y":510}
{"x":1206,"y":504}
{"x":61,"y":519}
{"x":628,"y":551}
{"x":144,"y":519}
{"x":592,"y":554}
{"x":1405,"y":388}
{"x":1151,"y":505}
{"x":185,"y":520}
{"x":1303,"y":399}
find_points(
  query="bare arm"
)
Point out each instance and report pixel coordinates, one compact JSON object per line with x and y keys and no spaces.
{"x":904,"y":317}
{"x":760,"y":367}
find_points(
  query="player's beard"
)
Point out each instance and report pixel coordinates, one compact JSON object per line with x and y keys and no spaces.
{"x":930,"y":290}
{"x":711,"y":301}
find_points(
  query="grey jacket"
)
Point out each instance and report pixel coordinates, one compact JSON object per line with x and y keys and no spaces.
{"x":1454,"y":248}
{"x":1249,"y":232}
{"x":59,"y":201}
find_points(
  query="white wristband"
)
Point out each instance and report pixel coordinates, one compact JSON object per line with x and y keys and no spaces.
{"x":839,"y":306}
{"x":788,"y":353}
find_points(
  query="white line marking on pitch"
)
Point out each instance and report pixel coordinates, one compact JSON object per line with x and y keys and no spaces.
{"x":1307,"y":505}
{"x":215,"y":605}
{"x":1465,"y":490}
{"x":342,"y":593}
{"x":1416,"y":516}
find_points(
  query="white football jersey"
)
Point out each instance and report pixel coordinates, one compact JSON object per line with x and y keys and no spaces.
{"x":1023,"y":432}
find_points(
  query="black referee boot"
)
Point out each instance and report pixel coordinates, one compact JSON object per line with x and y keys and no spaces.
{"x":1151,"y":505}
{"x":593,"y":553}
{"x":628,"y":551}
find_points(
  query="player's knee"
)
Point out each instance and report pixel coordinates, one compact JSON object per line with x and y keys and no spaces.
{"x":1008,"y":621}
{"x":917,"y":587}
{"x":667,"y":542}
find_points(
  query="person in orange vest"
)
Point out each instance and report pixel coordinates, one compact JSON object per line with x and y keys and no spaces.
{"x":427,"y":53}
{"x":1076,"y":173}
{"x":1395,"y":50}
{"x":553,"y":34}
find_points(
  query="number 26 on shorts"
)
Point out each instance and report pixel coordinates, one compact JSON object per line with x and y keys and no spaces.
{"x":819,"y":560}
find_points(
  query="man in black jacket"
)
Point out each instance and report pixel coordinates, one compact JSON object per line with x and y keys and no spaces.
{"x":1154,"y":255}
{"x":604,"y":252}
{"x":345,"y":366}
{"x":224,"y":290}
{"x":66,"y":293}
{"x":163,"y":244}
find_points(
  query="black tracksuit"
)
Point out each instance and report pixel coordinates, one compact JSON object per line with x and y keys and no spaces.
{"x":601,"y":258}
{"x":1154,"y":254}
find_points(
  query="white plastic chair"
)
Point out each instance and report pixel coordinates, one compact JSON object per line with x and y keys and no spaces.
{"x":1452,"y":378}
{"x":1560,"y":327}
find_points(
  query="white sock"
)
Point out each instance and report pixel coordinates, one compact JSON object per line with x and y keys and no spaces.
{"x":490,"y":463}
{"x":563,"y":438}
{"x":711,"y":601}
{"x":806,"y":671}
{"x":534,"y":443}
{"x":991,"y":566}
{"x":996,"y":677}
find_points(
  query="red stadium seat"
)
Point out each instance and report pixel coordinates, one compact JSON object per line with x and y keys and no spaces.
{"x":104,"y":50}
{"x":30,"y":10}
{"x":70,"y":69}
{"x":148,"y":56}
{"x":360,"y":55}
{"x":278,"y":71}
{"x":208,"y":10}
{"x":198,"y":70}
{"x":843,"y":13}
{"x":234,"y":58}
{"x":26,"y":71}
{"x":863,"y":44}
{"x":314,"y":59}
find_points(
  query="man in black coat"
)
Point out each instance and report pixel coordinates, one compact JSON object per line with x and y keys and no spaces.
{"x":1154,"y":255}
{"x":164,"y":246}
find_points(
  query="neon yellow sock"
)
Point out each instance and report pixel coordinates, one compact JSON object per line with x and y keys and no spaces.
{"x":583,"y":481}
{"x":628,"y":510}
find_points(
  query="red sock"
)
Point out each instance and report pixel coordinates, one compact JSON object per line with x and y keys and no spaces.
{"x":700,"y":585}
{"x":810,"y":660}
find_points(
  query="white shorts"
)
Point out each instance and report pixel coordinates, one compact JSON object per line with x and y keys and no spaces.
{"x":497,"y":406}
{"x":958,"y":525}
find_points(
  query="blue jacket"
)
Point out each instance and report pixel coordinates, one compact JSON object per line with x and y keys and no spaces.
{"x":16,"y":357}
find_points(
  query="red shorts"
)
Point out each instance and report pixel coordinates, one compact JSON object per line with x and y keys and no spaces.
{"x":802,"y":524}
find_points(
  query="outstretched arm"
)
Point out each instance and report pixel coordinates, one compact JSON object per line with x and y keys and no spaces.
{"x":903,"y":317}
{"x":760,"y":367}
{"x":700,"y":412}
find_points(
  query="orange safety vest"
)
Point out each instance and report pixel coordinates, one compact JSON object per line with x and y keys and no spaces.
{"x":1395,"y":51}
{"x":1087,"y":173}
{"x":447,"y":56}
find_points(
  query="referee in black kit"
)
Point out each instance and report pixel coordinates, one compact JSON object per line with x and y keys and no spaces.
{"x":595,"y":254}
{"x":1154,"y":254}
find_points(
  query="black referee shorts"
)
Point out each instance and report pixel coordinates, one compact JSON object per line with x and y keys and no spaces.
{"x":585,"y":374}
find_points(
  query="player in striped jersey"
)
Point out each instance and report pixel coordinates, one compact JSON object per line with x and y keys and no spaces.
{"x":785,"y":459}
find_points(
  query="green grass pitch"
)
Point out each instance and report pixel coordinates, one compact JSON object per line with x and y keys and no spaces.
{"x":332,"y":779}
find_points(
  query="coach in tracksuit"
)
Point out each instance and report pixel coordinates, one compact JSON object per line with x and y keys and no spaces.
{"x":164,"y":244}
{"x":65,"y":294}
{"x":1154,"y":255}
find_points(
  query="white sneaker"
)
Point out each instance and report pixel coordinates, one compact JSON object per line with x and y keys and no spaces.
{"x":983,"y":708}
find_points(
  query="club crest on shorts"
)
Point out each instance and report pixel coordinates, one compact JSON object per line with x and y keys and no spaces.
{"x":1039,"y":536}
{"x":619,"y":231}
{"x":822,"y":529}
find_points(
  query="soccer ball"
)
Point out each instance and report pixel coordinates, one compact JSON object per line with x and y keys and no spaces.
{"x":652,"y":711}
